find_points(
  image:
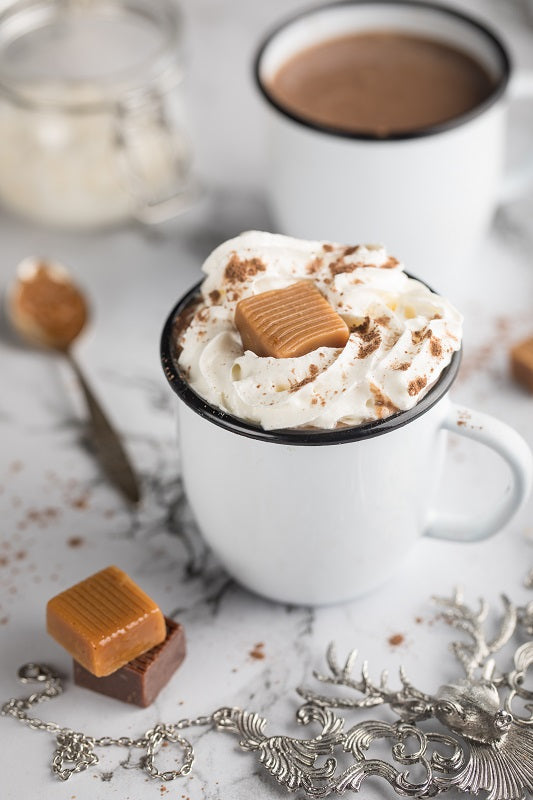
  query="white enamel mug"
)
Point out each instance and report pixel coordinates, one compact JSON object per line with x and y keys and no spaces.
{"x":430,"y":194}
{"x":315,"y":517}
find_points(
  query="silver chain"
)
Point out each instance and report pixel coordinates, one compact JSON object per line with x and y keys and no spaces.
{"x":75,"y":750}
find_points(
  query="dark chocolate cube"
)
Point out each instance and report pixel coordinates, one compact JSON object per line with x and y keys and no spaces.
{"x":140,"y":681}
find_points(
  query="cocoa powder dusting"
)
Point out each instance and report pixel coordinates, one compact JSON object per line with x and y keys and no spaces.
{"x":214,"y":296}
{"x":366,"y":349}
{"x":233,"y":296}
{"x":402,"y":367}
{"x":339,"y":266}
{"x":313,"y":372}
{"x":42,"y":515}
{"x":327,"y":248}
{"x":369,"y":335}
{"x":417,"y":337}
{"x":416,"y":386}
{"x":390,"y":263}
{"x":75,"y":541}
{"x":203,"y":314}
{"x":361,"y":328}
{"x":257,"y":651}
{"x":396,"y":639}
{"x":383,"y":403}
{"x":314,"y":265}
{"x":81,"y":503}
{"x":463,"y":418}
{"x":239,"y":269}
{"x":435,"y":347}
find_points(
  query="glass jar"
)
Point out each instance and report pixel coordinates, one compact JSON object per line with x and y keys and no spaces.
{"x":92,"y":124}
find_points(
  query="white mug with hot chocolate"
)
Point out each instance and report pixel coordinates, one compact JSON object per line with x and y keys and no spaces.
{"x":313,"y":476}
{"x":409,"y":147}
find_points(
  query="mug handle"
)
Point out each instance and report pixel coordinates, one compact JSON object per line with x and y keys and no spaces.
{"x":519,"y":178}
{"x":513,"y":449}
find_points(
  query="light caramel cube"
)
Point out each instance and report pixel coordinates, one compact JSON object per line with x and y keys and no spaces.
{"x":287,"y":323}
{"x":522,"y":363}
{"x":105,"y":621}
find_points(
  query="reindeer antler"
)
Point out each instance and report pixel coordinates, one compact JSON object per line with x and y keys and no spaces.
{"x":460,"y":616}
{"x":408,"y":702}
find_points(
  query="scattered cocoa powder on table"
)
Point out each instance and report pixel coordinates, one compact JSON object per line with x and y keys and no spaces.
{"x":258,"y":651}
{"x":396,"y":639}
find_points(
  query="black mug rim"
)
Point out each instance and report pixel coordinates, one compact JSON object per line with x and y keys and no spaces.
{"x":291,"y":436}
{"x":430,"y":130}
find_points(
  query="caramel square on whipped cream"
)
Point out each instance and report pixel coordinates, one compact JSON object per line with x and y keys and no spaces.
{"x":290,"y":322}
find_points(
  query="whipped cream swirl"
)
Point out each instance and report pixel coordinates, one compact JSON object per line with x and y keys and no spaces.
{"x":402,"y":335}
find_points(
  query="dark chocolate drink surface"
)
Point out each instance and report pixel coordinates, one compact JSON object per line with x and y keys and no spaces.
{"x":380,"y":83}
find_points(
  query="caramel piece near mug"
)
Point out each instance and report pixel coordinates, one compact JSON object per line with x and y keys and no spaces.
{"x":287,"y":323}
{"x":105,"y":621}
{"x":522,"y":363}
{"x":140,"y":681}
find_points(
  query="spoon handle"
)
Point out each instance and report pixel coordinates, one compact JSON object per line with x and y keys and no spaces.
{"x":109,"y":449}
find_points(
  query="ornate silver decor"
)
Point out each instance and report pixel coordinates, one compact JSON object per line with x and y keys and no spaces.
{"x":481,"y":736}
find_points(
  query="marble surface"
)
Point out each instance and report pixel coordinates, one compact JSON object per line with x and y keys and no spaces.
{"x":60,"y":521}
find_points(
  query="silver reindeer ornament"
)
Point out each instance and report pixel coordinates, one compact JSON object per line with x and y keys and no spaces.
{"x":485,"y":746}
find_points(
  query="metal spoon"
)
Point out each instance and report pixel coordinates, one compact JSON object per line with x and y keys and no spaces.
{"x":47,"y":309}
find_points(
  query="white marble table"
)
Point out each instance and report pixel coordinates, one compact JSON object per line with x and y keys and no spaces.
{"x":60,"y":521}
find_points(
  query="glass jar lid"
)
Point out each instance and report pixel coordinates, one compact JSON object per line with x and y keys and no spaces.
{"x":77,"y":54}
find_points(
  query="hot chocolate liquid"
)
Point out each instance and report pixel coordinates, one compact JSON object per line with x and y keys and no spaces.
{"x":380,"y":83}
